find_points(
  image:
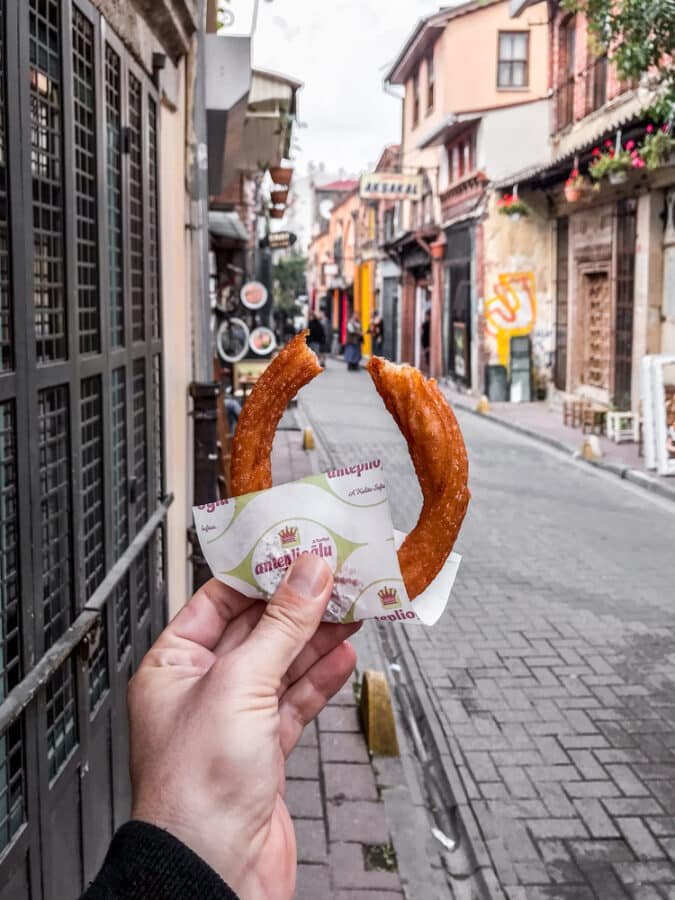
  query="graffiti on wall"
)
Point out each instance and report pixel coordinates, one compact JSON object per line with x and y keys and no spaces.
{"x":511,"y":312}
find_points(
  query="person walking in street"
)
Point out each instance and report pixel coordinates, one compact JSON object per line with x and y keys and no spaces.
{"x":317,"y":336}
{"x":354,"y":341}
{"x":327,"y":333}
{"x":376,"y":331}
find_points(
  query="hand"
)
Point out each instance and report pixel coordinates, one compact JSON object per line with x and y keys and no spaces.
{"x":217,"y":705}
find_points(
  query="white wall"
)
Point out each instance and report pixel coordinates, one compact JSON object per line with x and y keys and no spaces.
{"x":511,"y":139}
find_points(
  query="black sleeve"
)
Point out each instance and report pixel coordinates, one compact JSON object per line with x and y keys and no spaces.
{"x":146,"y":863}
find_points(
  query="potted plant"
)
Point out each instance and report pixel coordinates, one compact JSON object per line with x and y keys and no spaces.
{"x":512,"y":206}
{"x":574,"y":186}
{"x":658,"y":146}
{"x":610,"y":163}
{"x":279,"y":196}
{"x":281,"y":175}
{"x":277,"y":212}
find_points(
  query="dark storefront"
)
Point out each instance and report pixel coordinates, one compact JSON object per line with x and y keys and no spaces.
{"x":81,"y":472}
{"x":457,"y":324}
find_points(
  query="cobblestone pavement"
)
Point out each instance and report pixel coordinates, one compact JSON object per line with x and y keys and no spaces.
{"x":340,"y":822}
{"x":553,"y":669}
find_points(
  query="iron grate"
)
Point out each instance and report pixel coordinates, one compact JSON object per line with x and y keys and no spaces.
{"x":55,"y":502}
{"x":141,"y":571}
{"x":158,"y":463}
{"x":12,"y":783}
{"x":113,"y":95}
{"x":136,"y":250}
{"x":46,"y":162}
{"x":61,"y":720}
{"x":153,"y":218}
{"x":120,"y":514}
{"x":10,"y":645}
{"x":84,"y":102}
{"x":6,"y":337}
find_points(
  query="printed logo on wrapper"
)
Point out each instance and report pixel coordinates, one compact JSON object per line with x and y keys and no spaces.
{"x":359,"y":485}
{"x":279,"y":547}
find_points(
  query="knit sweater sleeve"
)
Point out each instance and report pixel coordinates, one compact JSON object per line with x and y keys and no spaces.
{"x":146,"y":863}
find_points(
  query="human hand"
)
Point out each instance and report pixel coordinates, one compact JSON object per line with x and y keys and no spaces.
{"x":215,"y":708}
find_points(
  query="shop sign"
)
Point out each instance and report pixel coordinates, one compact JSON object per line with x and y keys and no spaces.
{"x":253,"y":295}
{"x":391,"y":186}
{"x":278,"y":240}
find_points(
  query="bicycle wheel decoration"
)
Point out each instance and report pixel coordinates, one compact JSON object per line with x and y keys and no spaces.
{"x":232,"y":340}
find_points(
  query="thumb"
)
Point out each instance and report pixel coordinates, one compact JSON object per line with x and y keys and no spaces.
{"x":291,"y":617}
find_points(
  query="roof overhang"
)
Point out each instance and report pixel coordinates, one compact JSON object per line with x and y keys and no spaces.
{"x":227,"y":227}
{"x":450,"y":128}
{"x":516,"y":7}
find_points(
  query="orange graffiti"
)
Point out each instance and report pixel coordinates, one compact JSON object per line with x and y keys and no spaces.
{"x":512,"y":311}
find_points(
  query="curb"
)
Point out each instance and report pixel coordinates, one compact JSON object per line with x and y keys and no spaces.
{"x":626,"y":473}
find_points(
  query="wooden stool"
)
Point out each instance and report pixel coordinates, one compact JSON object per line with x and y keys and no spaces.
{"x":573,"y":412}
{"x":593,"y":419}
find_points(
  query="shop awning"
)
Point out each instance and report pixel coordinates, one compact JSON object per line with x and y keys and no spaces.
{"x":227,"y":226}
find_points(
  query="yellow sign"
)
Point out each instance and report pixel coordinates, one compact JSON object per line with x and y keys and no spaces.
{"x":391,"y":186}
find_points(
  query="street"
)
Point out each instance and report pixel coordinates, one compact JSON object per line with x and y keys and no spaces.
{"x":552,"y":670}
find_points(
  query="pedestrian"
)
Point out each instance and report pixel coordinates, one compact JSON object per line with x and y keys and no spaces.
{"x":376,"y":331}
{"x":425,"y":340}
{"x":233,"y":410}
{"x":317,"y":336}
{"x":354,"y":341}
{"x":327,"y":333}
{"x":217,"y":705}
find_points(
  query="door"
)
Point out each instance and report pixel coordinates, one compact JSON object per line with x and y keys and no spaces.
{"x":80,"y":431}
{"x":597,"y":331}
{"x":625,"y":292}
{"x":390,"y":316}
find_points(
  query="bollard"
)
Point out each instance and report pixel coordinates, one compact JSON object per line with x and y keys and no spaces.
{"x":308,"y":439}
{"x":483,"y":405}
{"x":377,"y":715}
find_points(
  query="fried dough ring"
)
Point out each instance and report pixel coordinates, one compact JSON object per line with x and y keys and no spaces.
{"x":251,"y":465}
{"x":439,"y":456}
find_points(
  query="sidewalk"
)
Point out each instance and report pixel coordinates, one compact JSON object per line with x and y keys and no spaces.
{"x":543,"y":422}
{"x":344,"y":846}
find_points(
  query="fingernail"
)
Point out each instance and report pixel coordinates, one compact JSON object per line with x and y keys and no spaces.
{"x":308,"y":576}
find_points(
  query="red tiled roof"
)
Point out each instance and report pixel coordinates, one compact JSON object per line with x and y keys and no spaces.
{"x":347,"y":184}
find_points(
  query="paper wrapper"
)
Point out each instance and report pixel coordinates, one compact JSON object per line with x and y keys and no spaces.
{"x":343,"y":516}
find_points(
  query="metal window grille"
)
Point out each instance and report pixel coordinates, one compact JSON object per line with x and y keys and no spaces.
{"x":84,"y":107}
{"x":120,"y":514}
{"x":158,"y":468}
{"x":153,"y":214}
{"x":6,"y":339}
{"x":55,"y":496}
{"x":113,"y":95}
{"x":562,"y":292}
{"x":61,"y":720}
{"x":142,"y":577}
{"x":136,"y":261}
{"x":625,"y":291}
{"x":47,"y":166}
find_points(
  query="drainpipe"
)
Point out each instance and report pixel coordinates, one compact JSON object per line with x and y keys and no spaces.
{"x":203,"y":390}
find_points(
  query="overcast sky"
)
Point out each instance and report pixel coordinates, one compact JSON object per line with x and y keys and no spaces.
{"x":340,"y":49}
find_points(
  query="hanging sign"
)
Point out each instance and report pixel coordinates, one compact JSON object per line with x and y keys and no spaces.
{"x":391,"y":186}
{"x":278,"y":240}
{"x":253,"y":295}
{"x":262,"y":340}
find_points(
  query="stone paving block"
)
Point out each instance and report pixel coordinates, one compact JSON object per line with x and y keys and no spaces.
{"x":368,"y":895}
{"x":557,"y":828}
{"x":347,"y":866}
{"x":344,"y":697}
{"x":646,"y":872}
{"x":309,"y":737}
{"x":303,"y":763}
{"x":343,"y":747}
{"x":629,"y":806}
{"x":311,"y":840}
{"x":339,"y":718}
{"x":350,"y":781}
{"x":597,"y":821}
{"x":639,"y":838}
{"x":357,"y":820}
{"x":627,"y":781}
{"x":661,"y":826}
{"x":303,"y":799}
{"x":586,"y":852}
{"x":560,"y":864}
{"x":313,"y":882}
{"x":592,"y":789}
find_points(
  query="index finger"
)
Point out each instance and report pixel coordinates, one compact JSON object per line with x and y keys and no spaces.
{"x":205,"y":616}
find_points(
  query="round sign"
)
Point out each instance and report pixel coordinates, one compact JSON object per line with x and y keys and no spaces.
{"x":254,"y":295}
{"x":262,"y":340}
{"x":232,"y":340}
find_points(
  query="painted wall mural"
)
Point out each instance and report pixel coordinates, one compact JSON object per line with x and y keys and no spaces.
{"x":511,"y":312}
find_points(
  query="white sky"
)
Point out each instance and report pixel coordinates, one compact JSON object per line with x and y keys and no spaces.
{"x":340,"y":49}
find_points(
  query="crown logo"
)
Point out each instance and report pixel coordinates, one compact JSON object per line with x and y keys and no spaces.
{"x":289,"y":537}
{"x":389,"y":598}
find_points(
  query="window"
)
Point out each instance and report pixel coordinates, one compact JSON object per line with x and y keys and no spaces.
{"x":415,"y":99}
{"x":431,"y":82}
{"x":512,"y":68}
{"x":389,"y":224}
{"x":461,"y":157}
{"x":565,"y":80}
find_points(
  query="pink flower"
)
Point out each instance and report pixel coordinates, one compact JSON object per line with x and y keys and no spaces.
{"x":650,"y":129}
{"x":630,"y":145}
{"x":664,"y":127}
{"x":609,"y":143}
{"x":596,"y":151}
{"x":634,"y":154}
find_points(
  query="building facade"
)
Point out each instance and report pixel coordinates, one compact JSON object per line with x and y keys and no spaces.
{"x":474,"y":106}
{"x":611,"y":240}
